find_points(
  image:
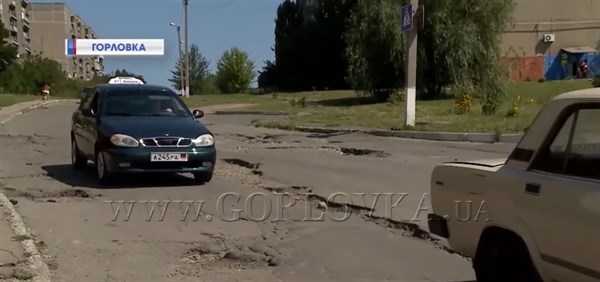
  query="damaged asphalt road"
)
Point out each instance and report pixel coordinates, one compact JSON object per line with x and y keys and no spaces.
{"x":290,"y":179}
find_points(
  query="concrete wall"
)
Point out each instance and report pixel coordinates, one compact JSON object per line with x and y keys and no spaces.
{"x":575,"y":23}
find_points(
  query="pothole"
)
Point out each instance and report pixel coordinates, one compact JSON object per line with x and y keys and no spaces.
{"x":242,"y":163}
{"x":74,"y":193}
{"x":261,"y":139}
{"x":341,"y":207}
{"x":237,"y":256}
{"x":39,"y":194}
{"x":364,"y":152}
{"x":285,"y":188}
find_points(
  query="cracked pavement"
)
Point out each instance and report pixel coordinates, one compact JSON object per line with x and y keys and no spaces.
{"x":360,"y":237}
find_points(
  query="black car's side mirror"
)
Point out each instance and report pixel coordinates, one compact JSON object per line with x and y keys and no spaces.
{"x":88,"y":112}
{"x":198,"y":114}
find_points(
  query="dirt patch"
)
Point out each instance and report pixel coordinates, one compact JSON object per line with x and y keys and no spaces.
{"x":36,"y":139}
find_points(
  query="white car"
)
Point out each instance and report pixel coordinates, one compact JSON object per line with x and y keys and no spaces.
{"x":536,"y":215}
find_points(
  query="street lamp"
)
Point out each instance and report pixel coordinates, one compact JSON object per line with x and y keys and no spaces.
{"x":180,"y":61}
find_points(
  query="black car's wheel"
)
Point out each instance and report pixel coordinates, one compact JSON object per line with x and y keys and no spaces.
{"x":78,"y":161}
{"x":203,"y":177}
{"x":505,"y":259}
{"x":104,"y":176}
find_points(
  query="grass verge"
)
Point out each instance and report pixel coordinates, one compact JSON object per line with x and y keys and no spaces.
{"x":344,"y":108}
{"x":11,"y":99}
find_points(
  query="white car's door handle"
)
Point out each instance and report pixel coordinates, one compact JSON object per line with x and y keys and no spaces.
{"x":532,"y":188}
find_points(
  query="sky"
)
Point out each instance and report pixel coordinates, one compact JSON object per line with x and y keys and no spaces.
{"x":214,"y":25}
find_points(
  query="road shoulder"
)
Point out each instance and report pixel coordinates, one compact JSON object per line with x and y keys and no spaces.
{"x":34,"y":266}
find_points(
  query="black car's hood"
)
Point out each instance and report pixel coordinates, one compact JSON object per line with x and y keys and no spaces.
{"x":142,"y":127}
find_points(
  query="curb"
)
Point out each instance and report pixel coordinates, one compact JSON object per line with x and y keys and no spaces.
{"x":424,"y":135}
{"x":27,"y":109}
{"x":250,"y":113}
{"x":39,"y":268}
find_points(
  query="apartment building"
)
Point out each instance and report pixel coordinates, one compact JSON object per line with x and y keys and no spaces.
{"x":51,"y":24}
{"x":15,"y":17}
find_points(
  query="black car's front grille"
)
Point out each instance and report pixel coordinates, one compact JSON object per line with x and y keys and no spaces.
{"x":166,"y":142}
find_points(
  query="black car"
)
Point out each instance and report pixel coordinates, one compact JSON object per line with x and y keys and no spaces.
{"x":128,"y":128}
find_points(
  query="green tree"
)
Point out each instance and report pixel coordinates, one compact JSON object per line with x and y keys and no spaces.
{"x":267,"y":77}
{"x":199,"y":73}
{"x":288,"y":59}
{"x":459,"y":48}
{"x":375,"y":48}
{"x":8,"y":52}
{"x":235,"y":71}
{"x":31,"y":73}
{"x":331,"y":18}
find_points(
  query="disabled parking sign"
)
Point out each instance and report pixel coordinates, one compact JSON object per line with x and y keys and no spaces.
{"x":406,"y":13}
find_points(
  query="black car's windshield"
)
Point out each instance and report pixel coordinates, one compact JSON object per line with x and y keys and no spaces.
{"x":146,"y":103}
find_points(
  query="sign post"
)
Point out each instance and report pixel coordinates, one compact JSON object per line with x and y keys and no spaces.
{"x":410,"y":88}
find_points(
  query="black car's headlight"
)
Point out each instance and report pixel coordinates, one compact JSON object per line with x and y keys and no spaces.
{"x":122,"y":140}
{"x":204,"y":140}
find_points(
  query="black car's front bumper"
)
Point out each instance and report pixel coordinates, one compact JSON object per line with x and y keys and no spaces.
{"x":137,"y":160}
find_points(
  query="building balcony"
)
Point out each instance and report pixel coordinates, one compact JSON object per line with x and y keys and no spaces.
{"x":25,"y":18}
{"x":12,"y":4}
{"x":15,"y":42}
{"x":24,"y":3}
{"x":13,"y":15}
{"x":14,"y":29}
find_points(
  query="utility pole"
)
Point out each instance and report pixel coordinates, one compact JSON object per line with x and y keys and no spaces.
{"x":410,"y":89}
{"x":187,"y":48}
{"x":180,"y":59}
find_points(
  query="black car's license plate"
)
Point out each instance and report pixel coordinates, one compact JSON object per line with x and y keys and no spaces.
{"x":168,"y":157}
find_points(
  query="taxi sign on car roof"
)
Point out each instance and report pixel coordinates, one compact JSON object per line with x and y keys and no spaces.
{"x":125,"y":80}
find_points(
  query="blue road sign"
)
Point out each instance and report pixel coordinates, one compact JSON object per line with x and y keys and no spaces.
{"x":406,"y":12}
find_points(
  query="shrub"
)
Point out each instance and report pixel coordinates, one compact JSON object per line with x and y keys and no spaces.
{"x":596,"y":81}
{"x":514,"y":109}
{"x":463,"y":104}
